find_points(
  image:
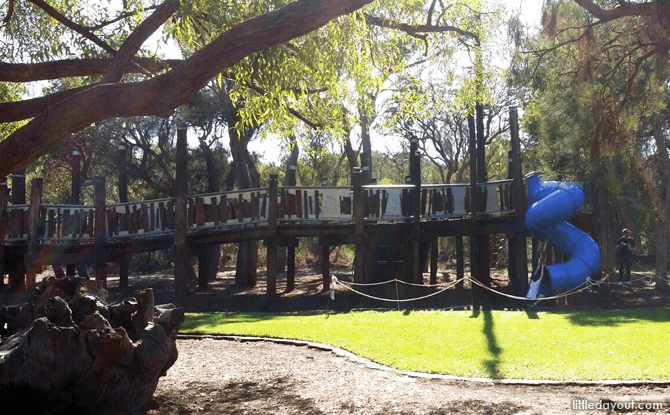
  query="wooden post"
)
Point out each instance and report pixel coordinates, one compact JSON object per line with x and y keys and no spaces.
{"x":19,"y":188}
{"x":433,"y":261}
{"x":271,"y":238}
{"x":71,"y":269}
{"x":181,"y":256}
{"x":460,"y":262}
{"x":76,"y":178}
{"x":124,"y":263}
{"x":290,"y":265}
{"x":518,"y":261}
{"x":31,"y":259}
{"x":3,"y":229}
{"x":99,"y":232}
{"x":415,"y":174}
{"x":359,"y":224}
{"x":483,"y":242}
{"x":325,"y":263}
{"x":474,"y":208}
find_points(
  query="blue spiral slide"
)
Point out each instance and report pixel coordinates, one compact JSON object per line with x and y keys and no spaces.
{"x":550,"y":204}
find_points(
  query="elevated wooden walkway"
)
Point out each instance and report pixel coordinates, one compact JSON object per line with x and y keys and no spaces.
{"x":33,"y":235}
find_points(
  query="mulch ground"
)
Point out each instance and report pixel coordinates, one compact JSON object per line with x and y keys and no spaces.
{"x":214,"y":376}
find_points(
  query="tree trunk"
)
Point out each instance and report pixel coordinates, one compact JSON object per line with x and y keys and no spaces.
{"x":68,"y":352}
{"x":212,"y":254}
{"x":664,"y":215}
{"x":247,"y":253}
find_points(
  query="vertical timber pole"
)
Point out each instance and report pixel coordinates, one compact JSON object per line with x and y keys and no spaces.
{"x":33,"y":266}
{"x":75,"y":196}
{"x":17,"y":273}
{"x":181,"y":257}
{"x":271,"y":238}
{"x":3,"y":229}
{"x":359,"y":224}
{"x":100,"y":231}
{"x":517,"y":244}
{"x":122,"y":163}
{"x":483,"y":241}
{"x":474,"y":207}
{"x":415,"y":173}
{"x":325,"y":253}
{"x":460,"y":266}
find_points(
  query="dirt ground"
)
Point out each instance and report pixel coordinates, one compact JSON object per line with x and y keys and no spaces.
{"x":217,"y":376}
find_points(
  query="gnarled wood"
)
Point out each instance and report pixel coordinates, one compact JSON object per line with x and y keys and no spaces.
{"x":69,"y":352}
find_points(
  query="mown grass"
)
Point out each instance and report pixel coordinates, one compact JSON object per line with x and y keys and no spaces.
{"x":579,"y":345}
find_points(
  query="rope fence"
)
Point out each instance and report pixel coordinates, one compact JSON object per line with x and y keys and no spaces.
{"x":586,"y":285}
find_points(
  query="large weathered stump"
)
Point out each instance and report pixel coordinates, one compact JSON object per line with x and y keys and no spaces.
{"x":69,"y":352}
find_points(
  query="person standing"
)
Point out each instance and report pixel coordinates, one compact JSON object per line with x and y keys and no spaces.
{"x":626,"y":247}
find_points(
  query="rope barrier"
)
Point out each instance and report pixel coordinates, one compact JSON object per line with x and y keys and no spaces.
{"x":587,"y":284}
{"x":397,"y":300}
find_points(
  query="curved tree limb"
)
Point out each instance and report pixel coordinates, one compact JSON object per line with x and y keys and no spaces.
{"x":162,"y":94}
{"x":31,"y":72}
{"x":134,"y":42}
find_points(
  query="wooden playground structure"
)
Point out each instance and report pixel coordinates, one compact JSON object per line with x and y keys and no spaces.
{"x":412,"y":216}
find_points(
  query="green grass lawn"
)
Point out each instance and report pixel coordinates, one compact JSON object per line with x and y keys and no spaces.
{"x":580,"y":345}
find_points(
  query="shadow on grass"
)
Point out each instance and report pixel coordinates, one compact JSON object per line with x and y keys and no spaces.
{"x":610,"y":318}
{"x":494,"y":349}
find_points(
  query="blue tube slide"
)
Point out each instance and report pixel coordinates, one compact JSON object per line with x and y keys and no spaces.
{"x":550,"y":204}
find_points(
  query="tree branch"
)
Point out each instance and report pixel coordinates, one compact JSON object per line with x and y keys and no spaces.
{"x":116,"y":19}
{"x":416,"y":30}
{"x":72,"y":25}
{"x":624,"y":8}
{"x":31,"y":72}
{"x":161,"y":94}
{"x":134,"y":42}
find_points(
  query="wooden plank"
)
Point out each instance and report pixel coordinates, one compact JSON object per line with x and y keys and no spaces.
{"x":67,"y":228}
{"x":317,"y":209}
{"x":298,"y":203}
{"x":240,"y":207}
{"x":162,"y":214}
{"x":200,"y":211}
{"x":224,"y":208}
{"x":152,"y":216}
{"x":169,"y":214}
{"x":51,"y":223}
{"x":264,"y":207}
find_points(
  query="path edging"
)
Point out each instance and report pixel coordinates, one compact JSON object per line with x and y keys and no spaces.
{"x":373,"y":365}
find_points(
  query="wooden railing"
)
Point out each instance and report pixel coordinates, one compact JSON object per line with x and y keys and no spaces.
{"x":251,"y":208}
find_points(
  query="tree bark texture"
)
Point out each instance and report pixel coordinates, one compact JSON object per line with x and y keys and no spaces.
{"x":69,"y":352}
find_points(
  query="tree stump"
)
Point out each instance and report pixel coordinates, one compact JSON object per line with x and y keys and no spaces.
{"x":69,"y":352}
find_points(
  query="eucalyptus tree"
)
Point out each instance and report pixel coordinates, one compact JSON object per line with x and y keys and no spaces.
{"x":599,"y":76}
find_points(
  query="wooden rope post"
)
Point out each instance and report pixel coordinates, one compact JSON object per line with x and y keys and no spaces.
{"x":433,"y":260}
{"x":325,"y":253}
{"x":474,"y":208}
{"x":100,"y":231}
{"x":415,"y":174}
{"x":271,"y":238}
{"x":359,"y":224}
{"x":518,"y":261}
